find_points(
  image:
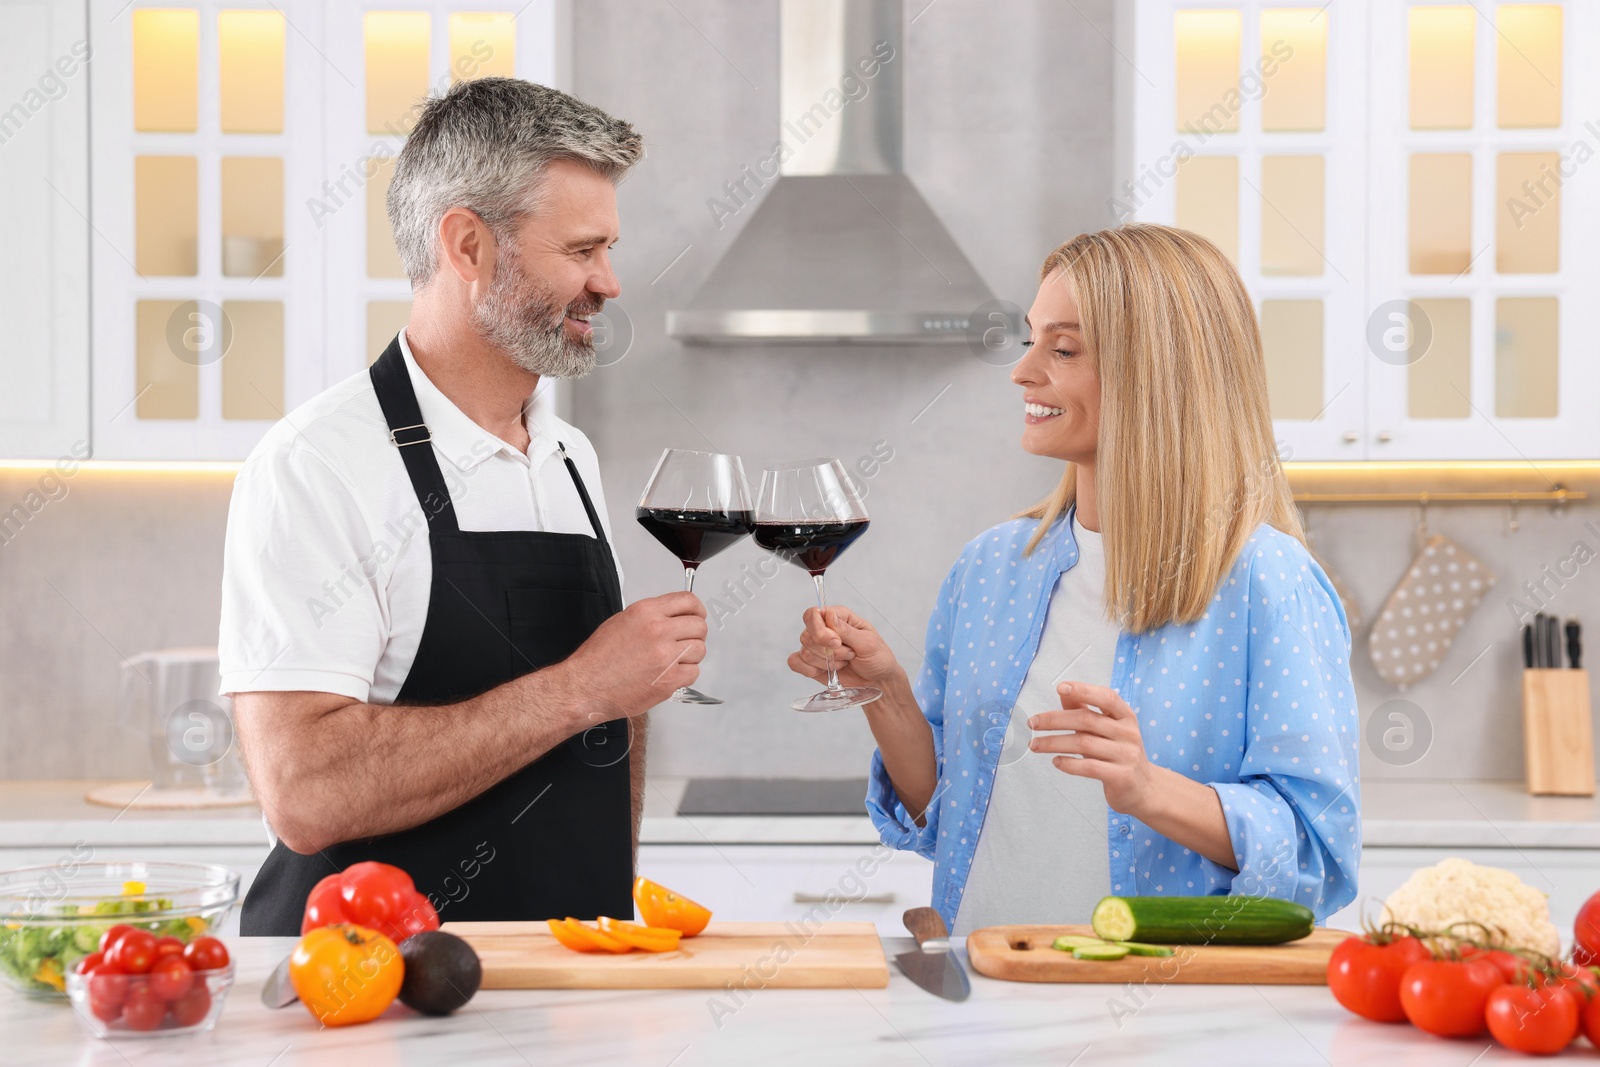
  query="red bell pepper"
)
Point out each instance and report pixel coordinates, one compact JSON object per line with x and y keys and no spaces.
{"x":374,"y":895}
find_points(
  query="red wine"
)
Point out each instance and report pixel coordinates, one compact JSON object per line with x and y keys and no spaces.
{"x":695,"y":536}
{"x":810,"y":545}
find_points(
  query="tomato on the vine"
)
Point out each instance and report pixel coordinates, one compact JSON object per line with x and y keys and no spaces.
{"x":1586,"y":933}
{"x":1541,"y":1018}
{"x":1447,"y":997}
{"x":1364,"y":975}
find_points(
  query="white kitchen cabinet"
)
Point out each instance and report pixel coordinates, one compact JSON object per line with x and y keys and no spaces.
{"x":1405,"y":190}
{"x":1569,"y":875}
{"x":241,"y":158}
{"x":44,"y":278}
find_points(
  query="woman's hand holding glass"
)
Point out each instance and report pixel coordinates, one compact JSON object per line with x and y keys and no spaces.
{"x":859,"y":653}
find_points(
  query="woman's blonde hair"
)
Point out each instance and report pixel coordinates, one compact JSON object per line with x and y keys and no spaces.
{"x":1186,"y":466}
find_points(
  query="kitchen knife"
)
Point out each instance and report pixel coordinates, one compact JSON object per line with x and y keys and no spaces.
{"x":1527,"y":647}
{"x":278,"y":991}
{"x":1553,"y":630}
{"x":933,"y":964}
{"x":1574,"y":642}
{"x":1541,"y":642}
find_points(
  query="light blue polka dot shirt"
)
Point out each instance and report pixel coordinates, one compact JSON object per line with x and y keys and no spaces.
{"x":1254,"y":699}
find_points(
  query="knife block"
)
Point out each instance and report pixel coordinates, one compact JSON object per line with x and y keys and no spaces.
{"x":1558,"y":741}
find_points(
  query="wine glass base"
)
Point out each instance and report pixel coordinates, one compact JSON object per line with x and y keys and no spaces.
{"x":838,"y":699}
{"x":694,"y":696}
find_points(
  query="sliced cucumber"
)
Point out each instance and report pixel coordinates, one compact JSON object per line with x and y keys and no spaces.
{"x":1139,"y":948}
{"x":1218,"y":920}
{"x":1100,"y":952}
{"x":1068,"y":942}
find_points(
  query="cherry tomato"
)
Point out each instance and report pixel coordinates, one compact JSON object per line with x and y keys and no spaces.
{"x":90,"y":962}
{"x":110,"y":937}
{"x":1447,"y":997}
{"x":191,"y":1008}
{"x":170,"y":978}
{"x":169,"y":946}
{"x":144,"y":1010}
{"x":105,"y":1010}
{"x":133,"y":952}
{"x":206,"y":954}
{"x":1365,"y":977}
{"x":108,"y":985}
{"x":1541,"y":1019}
{"x":1586,"y":933}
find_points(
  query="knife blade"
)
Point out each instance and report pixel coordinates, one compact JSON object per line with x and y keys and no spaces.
{"x":933,"y":964}
{"x":278,"y":991}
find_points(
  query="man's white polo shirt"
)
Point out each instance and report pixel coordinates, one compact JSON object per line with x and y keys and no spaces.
{"x":326,"y":569}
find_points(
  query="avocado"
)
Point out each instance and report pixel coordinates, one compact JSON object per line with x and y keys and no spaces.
{"x":442,"y":972}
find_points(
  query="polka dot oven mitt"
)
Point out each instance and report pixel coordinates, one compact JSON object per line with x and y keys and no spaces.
{"x":1421,"y":618}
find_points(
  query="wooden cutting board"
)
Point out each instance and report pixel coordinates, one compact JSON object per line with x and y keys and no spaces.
{"x":1023,"y":954}
{"x":524,"y":955}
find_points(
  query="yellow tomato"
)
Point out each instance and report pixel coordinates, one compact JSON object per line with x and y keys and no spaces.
{"x":649,"y":938}
{"x":661,"y":907}
{"x":346,"y":974}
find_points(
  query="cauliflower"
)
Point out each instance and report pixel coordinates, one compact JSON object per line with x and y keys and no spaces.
{"x":1457,"y":890}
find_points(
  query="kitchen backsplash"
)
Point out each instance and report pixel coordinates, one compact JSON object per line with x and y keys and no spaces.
{"x":117,"y":562}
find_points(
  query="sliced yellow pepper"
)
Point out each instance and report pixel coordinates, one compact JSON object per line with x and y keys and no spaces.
{"x":50,"y":974}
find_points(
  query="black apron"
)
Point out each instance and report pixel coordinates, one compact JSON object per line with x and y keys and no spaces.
{"x":555,"y":838}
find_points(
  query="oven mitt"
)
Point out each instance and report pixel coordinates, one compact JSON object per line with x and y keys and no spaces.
{"x":1421,"y":618}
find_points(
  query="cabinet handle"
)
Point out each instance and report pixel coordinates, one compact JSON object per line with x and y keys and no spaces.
{"x":1351,"y":437}
{"x":822,"y":898}
{"x":1384,"y":437}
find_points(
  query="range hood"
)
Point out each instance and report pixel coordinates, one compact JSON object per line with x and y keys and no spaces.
{"x":842,"y":248}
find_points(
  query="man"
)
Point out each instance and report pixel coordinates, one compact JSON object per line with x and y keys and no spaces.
{"x":422,"y":620}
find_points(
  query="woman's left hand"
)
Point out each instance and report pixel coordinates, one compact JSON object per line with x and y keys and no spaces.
{"x":1108,"y":741}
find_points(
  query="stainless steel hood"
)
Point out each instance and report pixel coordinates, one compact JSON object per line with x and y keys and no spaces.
{"x":842,"y":248}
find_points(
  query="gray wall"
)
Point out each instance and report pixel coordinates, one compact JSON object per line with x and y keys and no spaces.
{"x":1009,"y":136}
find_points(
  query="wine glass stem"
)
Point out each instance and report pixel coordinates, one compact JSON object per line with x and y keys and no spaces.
{"x":827,"y":653}
{"x":688,"y":579}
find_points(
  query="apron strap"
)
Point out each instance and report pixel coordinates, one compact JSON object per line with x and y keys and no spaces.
{"x":583,"y":494}
{"x":410,"y":435}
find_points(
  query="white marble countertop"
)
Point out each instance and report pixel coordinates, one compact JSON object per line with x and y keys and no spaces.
{"x":1001,"y":1023}
{"x":1443,"y":814}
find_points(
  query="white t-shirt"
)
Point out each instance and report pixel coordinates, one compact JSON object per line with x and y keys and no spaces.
{"x":326,"y":567}
{"x":1041,"y":855}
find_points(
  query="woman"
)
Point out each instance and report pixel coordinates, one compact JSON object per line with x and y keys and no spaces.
{"x":1178,"y":657}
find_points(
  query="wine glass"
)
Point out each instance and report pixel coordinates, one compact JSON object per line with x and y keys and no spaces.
{"x":696,"y":504}
{"x":808,"y":513}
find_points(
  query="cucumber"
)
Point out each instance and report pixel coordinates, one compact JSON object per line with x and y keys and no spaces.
{"x":1217,"y":920}
{"x":1099,"y":952}
{"x":1136,"y":948}
{"x":1068,"y":942}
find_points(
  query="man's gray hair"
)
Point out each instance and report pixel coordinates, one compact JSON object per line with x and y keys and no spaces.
{"x":484,"y":146}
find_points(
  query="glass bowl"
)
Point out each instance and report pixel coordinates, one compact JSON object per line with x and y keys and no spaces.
{"x":53,"y":916}
{"x":125,"y":1005}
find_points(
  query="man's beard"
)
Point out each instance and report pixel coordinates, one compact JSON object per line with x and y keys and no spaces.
{"x":519,"y":315}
